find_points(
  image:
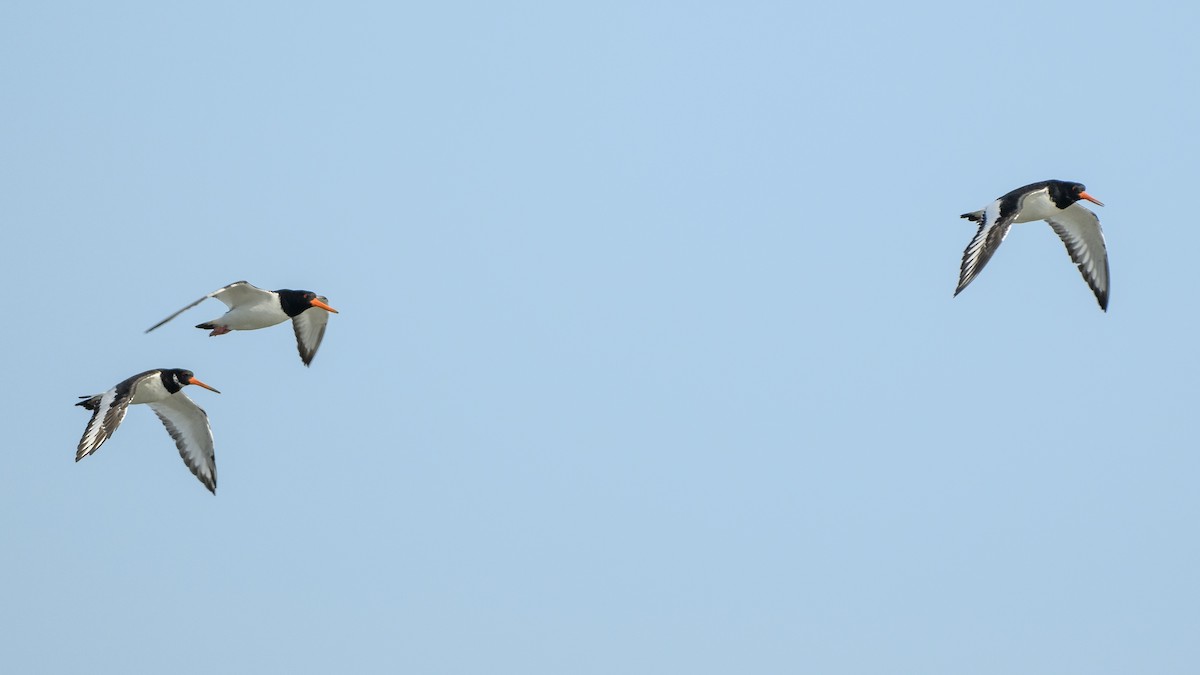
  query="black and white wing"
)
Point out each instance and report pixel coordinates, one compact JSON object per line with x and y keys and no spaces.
{"x":108,"y":409}
{"x":188,"y":425}
{"x":310,"y":330}
{"x":1079,"y":229}
{"x":237,"y":293}
{"x":993,"y":228}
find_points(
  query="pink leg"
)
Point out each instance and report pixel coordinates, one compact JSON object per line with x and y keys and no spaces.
{"x":219,"y":330}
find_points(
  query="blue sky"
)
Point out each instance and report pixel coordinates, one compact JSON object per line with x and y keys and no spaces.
{"x":647,"y":358}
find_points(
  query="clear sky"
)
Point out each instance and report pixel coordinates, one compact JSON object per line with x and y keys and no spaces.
{"x":647,"y":359}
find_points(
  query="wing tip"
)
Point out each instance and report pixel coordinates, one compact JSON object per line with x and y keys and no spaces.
{"x":963,"y":281}
{"x":84,"y":451}
{"x":209,"y":482}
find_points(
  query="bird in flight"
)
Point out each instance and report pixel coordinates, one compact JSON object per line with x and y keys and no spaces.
{"x":162,"y":390}
{"x":1058,"y":203}
{"x":251,"y":308}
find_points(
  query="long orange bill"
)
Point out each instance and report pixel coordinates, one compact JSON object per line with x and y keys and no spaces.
{"x":1084,"y":195}
{"x":201,"y":384}
{"x":317,"y":303}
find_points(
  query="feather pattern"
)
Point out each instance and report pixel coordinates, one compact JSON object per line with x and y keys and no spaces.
{"x":1080,"y":231}
{"x":232,"y":294}
{"x":188,"y":425}
{"x":993,"y":228}
{"x":309,"y":327}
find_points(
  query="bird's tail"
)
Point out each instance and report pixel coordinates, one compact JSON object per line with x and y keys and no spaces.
{"x":90,"y":402}
{"x":974,"y":216}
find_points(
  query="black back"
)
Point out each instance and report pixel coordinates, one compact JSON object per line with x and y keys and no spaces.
{"x":1062,"y":192}
{"x":294,"y":302}
{"x":173,"y":379}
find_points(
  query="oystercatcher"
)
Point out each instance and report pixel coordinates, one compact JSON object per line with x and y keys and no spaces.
{"x":251,"y":308}
{"x":1056,"y":202}
{"x":161,"y":389}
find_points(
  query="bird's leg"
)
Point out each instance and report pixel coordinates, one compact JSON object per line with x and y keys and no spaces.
{"x":219,"y":330}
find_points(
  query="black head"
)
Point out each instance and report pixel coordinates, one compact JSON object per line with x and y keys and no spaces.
{"x":294,"y":302}
{"x":177,"y":378}
{"x":1065,"y":193}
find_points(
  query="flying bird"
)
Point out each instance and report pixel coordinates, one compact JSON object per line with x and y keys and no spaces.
{"x":1056,"y":202}
{"x":161,"y":389}
{"x":251,"y":308}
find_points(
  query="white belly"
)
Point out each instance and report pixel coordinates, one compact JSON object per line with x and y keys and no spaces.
{"x":253,"y":317}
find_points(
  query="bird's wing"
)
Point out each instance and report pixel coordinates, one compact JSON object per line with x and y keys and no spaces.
{"x":310,"y":330}
{"x":237,"y":293}
{"x":993,"y":228}
{"x":188,"y":425}
{"x":1079,"y":229}
{"x":108,"y":409}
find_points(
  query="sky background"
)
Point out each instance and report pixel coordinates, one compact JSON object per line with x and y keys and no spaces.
{"x":647,"y":358}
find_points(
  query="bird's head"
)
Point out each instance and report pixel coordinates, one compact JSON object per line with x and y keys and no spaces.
{"x":186,"y":377}
{"x":294,"y":302}
{"x":1078,"y":191}
{"x":317,"y":301}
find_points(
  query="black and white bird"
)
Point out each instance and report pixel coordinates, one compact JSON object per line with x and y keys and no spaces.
{"x":251,"y":308}
{"x":161,"y":389}
{"x":1056,"y":202}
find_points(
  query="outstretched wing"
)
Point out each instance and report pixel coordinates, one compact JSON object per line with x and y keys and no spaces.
{"x":993,"y":228}
{"x":237,"y":293}
{"x":188,"y":425}
{"x":1079,"y":229}
{"x":309,"y":326}
{"x":108,"y":409}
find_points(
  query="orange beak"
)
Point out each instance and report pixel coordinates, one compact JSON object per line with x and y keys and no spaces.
{"x":1084,"y":195}
{"x":201,"y":384}
{"x":317,"y":303}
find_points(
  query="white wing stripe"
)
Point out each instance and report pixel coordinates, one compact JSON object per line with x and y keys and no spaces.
{"x":991,"y":233}
{"x":309,"y":327}
{"x":187,"y":423}
{"x":239,"y":292}
{"x":1080,"y":232}
{"x":105,"y":420}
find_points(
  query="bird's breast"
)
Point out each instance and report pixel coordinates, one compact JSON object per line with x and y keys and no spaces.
{"x":1036,"y":206}
{"x":253,"y":317}
{"x":149,"y":389}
